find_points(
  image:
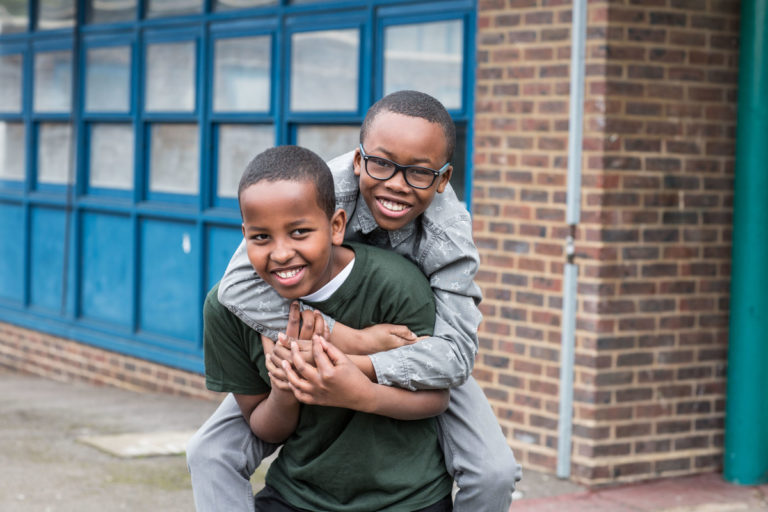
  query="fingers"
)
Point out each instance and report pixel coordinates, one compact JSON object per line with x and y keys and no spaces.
{"x":404,"y":332}
{"x":307,"y":324}
{"x":272,"y":362}
{"x":322,"y":360}
{"x":281,"y":352}
{"x":294,"y":320}
{"x":302,"y":388}
{"x":328,"y":351}
{"x":281,"y":384}
{"x":303,"y":369}
{"x":320,"y":327}
{"x":295,"y":383}
{"x":272,"y":367}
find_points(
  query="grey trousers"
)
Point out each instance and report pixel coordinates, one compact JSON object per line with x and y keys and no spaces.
{"x":223,"y":455}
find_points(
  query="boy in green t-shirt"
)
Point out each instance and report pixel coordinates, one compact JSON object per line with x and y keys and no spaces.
{"x":377,"y":449}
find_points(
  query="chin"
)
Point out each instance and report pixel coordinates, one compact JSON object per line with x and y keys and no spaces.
{"x":393,"y":224}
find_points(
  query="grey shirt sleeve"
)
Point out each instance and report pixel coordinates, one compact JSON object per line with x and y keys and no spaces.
{"x":445,"y":359}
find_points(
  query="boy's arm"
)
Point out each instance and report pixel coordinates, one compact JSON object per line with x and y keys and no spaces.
{"x":376,"y":338}
{"x":446,"y":358}
{"x":234,"y":355}
{"x":272,"y":416}
{"x":335,"y":381}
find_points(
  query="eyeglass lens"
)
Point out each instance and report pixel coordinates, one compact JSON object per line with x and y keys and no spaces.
{"x":419,"y":177}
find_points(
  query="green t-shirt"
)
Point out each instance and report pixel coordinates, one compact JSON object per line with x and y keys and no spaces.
{"x":339,"y":459}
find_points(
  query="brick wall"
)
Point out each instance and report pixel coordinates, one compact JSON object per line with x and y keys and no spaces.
{"x":653,"y":247}
{"x":65,"y":360}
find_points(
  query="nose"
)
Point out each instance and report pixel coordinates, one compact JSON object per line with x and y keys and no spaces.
{"x":397,"y":182}
{"x":282,"y":252}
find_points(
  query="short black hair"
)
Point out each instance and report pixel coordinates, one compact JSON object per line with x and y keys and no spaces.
{"x":414,"y":104}
{"x":292,"y":163}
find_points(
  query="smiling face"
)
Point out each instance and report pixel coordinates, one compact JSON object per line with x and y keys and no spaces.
{"x":290,"y":240}
{"x":407,"y":141}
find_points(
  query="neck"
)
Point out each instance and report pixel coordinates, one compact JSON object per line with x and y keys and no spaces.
{"x":340,"y":257}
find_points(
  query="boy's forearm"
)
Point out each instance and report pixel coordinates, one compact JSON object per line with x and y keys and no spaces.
{"x":365,"y":365}
{"x":275,"y":418}
{"x":402,"y":404}
{"x":444,"y":360}
{"x":350,"y":341}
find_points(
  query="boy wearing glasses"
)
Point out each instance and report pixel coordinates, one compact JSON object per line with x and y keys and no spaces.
{"x":430,"y":227}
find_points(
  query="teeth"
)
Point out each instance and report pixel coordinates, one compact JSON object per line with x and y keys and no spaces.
{"x":287,"y":274}
{"x":395,"y":207}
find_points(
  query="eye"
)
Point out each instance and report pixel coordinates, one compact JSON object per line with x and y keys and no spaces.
{"x":299,"y":232}
{"x":259,"y":237}
{"x":421,"y":172}
{"x":380,"y":162}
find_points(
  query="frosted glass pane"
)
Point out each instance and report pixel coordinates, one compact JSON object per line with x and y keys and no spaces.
{"x":53,"y":81}
{"x":171,"y":77}
{"x":12,"y":151}
{"x":111,"y":162}
{"x":14,"y":16}
{"x":108,"y":79}
{"x":324,"y":70}
{"x":10,"y":82}
{"x":230,"y":5}
{"x":157,"y":8}
{"x":111,"y":11}
{"x":427,"y":57}
{"x":328,"y":141}
{"x":53,"y":14}
{"x":238,"y":144}
{"x":54,"y":153}
{"x":175,"y":160}
{"x":242,"y":74}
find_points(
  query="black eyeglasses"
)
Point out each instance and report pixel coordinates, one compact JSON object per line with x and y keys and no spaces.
{"x":416,"y":176}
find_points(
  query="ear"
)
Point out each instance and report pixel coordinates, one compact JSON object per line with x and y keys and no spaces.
{"x":242,"y":227}
{"x":338,"y":226}
{"x":443,"y":179}
{"x":357,"y":162}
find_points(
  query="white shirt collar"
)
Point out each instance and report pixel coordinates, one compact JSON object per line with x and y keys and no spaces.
{"x":331,"y":286}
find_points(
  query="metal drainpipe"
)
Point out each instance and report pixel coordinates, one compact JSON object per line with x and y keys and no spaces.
{"x":573,"y":214}
{"x":746,"y":411}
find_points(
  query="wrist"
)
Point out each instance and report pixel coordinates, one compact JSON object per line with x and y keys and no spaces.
{"x":283,"y":397}
{"x":368,"y":342}
{"x":369,"y":399}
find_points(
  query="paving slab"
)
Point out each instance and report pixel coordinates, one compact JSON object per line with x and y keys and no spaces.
{"x":145,"y":444}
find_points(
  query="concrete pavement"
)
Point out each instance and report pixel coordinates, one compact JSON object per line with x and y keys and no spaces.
{"x":699,"y":493}
{"x":82,"y":448}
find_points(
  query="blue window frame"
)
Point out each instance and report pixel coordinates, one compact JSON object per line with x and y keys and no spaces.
{"x":126,"y":126}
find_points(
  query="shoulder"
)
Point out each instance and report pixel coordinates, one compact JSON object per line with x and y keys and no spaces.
{"x":212,"y":304}
{"x":446,"y":234}
{"x":343,"y":171}
{"x":447,"y":212}
{"x":215,"y":314}
{"x":395,"y":288}
{"x":390,"y":273}
{"x":372,"y":258}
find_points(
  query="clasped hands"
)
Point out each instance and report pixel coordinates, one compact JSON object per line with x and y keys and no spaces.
{"x":305,"y":363}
